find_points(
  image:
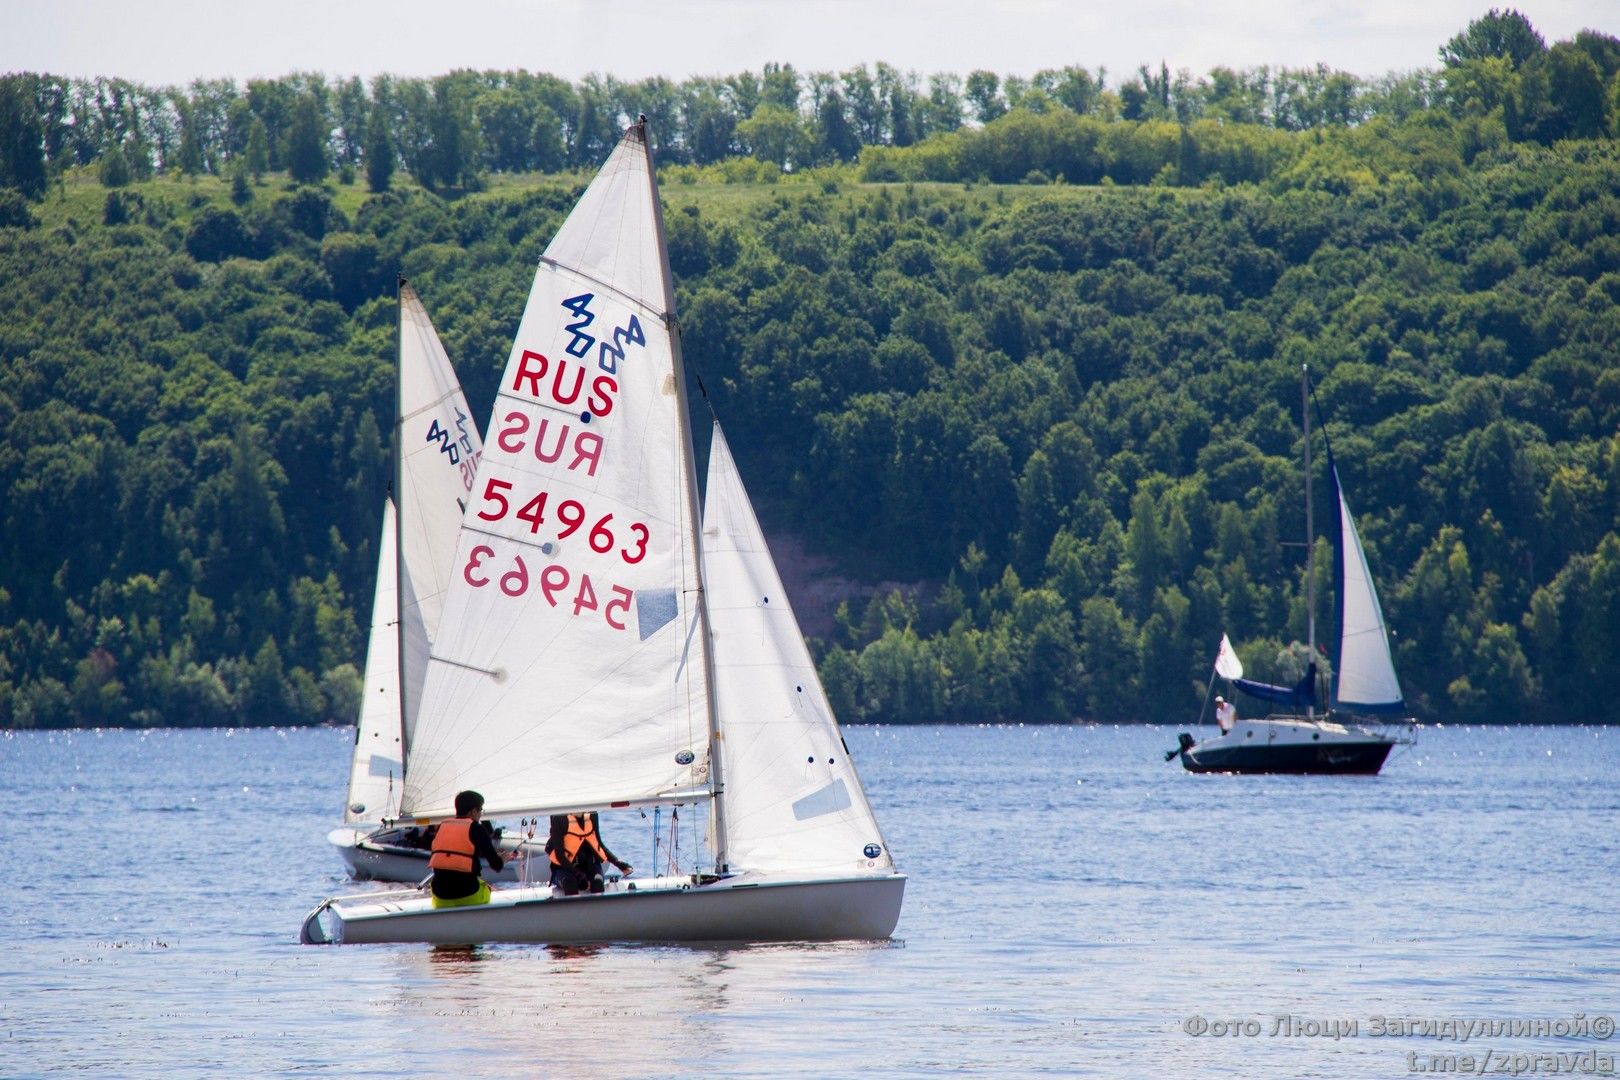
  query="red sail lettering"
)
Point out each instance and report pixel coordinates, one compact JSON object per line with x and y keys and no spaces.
{"x":540,"y":451}
{"x":602,"y":390}
{"x":531,"y":368}
{"x":510,"y":439}
{"x":557,"y":384}
{"x":594,"y":454}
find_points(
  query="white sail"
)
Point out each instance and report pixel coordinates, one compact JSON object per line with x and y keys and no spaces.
{"x":439,"y":448}
{"x":793,"y":800}
{"x":570,"y":667}
{"x":1365,"y":678}
{"x":376,"y":771}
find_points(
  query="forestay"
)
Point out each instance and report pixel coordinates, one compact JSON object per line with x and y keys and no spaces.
{"x":439,"y":447}
{"x":570,"y":669}
{"x":1364,"y":680}
{"x":793,"y":800}
{"x":376,"y":771}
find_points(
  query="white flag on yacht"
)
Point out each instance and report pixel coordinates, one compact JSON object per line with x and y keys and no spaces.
{"x":1227,"y":664}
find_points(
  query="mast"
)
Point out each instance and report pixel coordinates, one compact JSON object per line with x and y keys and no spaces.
{"x":397,"y":482}
{"x":1310,"y":532}
{"x":683,"y":422}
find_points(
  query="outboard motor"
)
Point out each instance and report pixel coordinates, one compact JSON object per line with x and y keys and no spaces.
{"x":1186,"y":742}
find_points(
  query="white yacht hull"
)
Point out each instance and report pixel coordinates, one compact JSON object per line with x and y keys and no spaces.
{"x":1293,"y":745}
{"x":742,"y":908}
{"x":368,"y":860}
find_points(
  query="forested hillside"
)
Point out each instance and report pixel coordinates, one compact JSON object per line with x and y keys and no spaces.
{"x":1031,"y":346}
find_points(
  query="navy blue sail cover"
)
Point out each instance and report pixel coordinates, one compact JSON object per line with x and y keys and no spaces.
{"x":1300,"y":696}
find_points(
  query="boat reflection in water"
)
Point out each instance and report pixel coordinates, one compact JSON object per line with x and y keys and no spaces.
{"x":594,"y":1010}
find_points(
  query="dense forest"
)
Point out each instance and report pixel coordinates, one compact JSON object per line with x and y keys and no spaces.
{"x":1030,"y":347}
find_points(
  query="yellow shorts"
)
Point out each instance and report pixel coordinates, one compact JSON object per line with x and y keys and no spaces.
{"x":479,"y":897}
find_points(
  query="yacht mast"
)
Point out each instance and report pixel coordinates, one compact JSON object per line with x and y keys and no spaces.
{"x":716,"y":777}
{"x":1310,"y":533}
{"x":396,"y":481}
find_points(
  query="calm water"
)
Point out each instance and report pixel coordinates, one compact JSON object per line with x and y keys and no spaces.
{"x":1073,"y":900}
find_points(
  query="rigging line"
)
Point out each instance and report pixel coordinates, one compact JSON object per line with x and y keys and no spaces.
{"x":1321,"y":424}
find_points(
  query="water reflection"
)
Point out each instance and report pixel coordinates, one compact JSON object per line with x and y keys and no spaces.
{"x":615,"y":1010}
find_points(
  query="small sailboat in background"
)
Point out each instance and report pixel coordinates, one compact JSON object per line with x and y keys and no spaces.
{"x":1367,"y":717}
{"x":437,"y":452}
{"x":603,"y":647}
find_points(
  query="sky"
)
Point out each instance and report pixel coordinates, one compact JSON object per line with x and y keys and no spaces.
{"x":163,"y":42}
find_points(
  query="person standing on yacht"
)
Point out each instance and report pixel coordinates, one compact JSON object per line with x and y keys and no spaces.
{"x":1225,"y":714}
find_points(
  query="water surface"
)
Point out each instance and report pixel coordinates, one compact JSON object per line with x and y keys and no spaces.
{"x":1073,"y":901}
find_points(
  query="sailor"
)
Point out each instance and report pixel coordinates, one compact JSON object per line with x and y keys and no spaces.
{"x":458,"y":846}
{"x":1225,"y":714}
{"x":578,"y":854}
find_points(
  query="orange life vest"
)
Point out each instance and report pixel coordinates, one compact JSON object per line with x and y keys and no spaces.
{"x":580,"y":832}
{"x":453,"y":846}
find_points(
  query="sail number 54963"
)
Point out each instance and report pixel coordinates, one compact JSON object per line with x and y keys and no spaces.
{"x":554,"y":580}
{"x":569,"y":515}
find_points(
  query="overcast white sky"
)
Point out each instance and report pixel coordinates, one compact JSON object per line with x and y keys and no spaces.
{"x":175,"y":41}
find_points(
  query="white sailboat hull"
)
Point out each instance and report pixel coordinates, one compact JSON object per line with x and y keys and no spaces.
{"x":741,"y":908}
{"x":1294,"y":745}
{"x":368,"y":860}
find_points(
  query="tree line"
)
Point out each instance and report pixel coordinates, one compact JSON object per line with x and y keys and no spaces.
{"x":451,"y":131}
{"x":1066,"y":416}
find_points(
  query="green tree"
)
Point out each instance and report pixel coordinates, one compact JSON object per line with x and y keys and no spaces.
{"x":22,"y":139}
{"x":307,"y":136}
{"x":379,"y":150}
{"x":257,"y":152}
{"x":450,"y":158}
{"x":774,"y":133}
{"x":115,"y":171}
{"x":189,"y":159}
{"x":983,"y":93}
{"x":1496,"y":33}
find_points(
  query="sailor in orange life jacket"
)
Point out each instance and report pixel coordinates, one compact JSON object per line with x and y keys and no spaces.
{"x":458,"y":845}
{"x":577,"y":854}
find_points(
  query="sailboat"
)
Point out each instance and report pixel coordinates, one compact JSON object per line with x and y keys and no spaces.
{"x":603,"y":647}
{"x":1367,"y":715}
{"x":438,"y":448}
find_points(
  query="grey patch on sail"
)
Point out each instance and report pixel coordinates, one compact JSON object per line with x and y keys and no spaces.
{"x":654,"y":609}
{"x":829,"y":800}
{"x":382,"y":766}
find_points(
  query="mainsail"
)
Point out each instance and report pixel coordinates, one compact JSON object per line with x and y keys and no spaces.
{"x":793,"y":800}
{"x":570,"y":670}
{"x":1364,"y":679}
{"x":438,"y":447}
{"x":377,"y":769}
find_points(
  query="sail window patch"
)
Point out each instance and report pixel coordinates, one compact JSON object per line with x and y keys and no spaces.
{"x":685,"y":757}
{"x":654,"y":609}
{"x":828,"y":800}
{"x":382,"y":766}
